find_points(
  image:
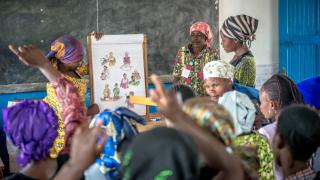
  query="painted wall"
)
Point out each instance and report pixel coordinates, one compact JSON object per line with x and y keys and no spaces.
{"x":265,"y":48}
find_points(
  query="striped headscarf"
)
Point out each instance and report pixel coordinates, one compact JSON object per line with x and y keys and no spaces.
{"x":67,"y":49}
{"x":205,"y":29}
{"x":241,"y":28}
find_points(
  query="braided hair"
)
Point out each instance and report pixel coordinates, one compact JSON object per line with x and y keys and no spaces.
{"x":283,"y":90}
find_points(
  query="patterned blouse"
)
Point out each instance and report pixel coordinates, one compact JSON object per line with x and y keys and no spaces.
{"x":52,"y":100}
{"x":245,"y":69}
{"x":266,"y":170}
{"x":188,"y":67}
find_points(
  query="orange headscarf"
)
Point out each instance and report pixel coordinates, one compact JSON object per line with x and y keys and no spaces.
{"x":205,"y":29}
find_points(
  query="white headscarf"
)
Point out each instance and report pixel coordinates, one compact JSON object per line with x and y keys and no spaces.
{"x":241,"y":109}
{"x":219,"y":68}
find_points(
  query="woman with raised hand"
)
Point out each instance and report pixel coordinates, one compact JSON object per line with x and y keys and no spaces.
{"x":32,"y":125}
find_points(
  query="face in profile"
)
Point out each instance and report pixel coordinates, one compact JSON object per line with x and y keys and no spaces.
{"x":216,"y":87}
{"x":73,"y":66}
{"x":265,"y":105}
{"x":198,"y":39}
{"x":228,"y":44}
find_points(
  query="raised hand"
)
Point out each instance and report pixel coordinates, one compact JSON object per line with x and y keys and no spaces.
{"x":165,"y":101}
{"x":30,"y":55}
{"x":85,"y":147}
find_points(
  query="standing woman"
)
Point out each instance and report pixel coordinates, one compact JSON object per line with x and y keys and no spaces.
{"x":191,"y":58}
{"x":66,"y":56}
{"x":237,"y":33}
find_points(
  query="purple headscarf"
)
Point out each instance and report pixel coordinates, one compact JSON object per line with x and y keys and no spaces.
{"x":32,"y":127}
{"x":67,"y":49}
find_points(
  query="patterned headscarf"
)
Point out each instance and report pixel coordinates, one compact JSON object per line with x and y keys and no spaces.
{"x":211,"y":116}
{"x":32,"y":127}
{"x":240,"y":27}
{"x":67,"y":49}
{"x":219,"y":69}
{"x":205,"y":29}
{"x":241,"y":109}
{"x":217,"y":119}
{"x":118,"y":125}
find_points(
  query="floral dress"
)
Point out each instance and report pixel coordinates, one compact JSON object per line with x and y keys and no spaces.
{"x":245,"y":69}
{"x":265,"y":155}
{"x":188,"y":67}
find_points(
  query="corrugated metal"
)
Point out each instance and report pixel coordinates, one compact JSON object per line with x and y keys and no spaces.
{"x":299,"y":24}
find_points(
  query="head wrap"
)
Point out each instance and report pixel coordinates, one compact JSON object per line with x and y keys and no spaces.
{"x":310,"y":89}
{"x":32,"y":127}
{"x":241,"y":28}
{"x":67,"y":49}
{"x":217,"y":119}
{"x":118,"y":125}
{"x":162,"y":153}
{"x":241,"y":109}
{"x":205,"y":29}
{"x":218,"y":69}
{"x":211,"y":116}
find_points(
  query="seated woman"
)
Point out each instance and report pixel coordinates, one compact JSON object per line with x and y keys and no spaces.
{"x":243,"y":115}
{"x":219,"y":79}
{"x":237,"y":33}
{"x":276,"y":93}
{"x":66,"y":56}
{"x":296,"y":138}
{"x":32,"y":125}
{"x":190,"y":59}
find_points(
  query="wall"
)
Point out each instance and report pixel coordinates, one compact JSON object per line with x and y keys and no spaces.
{"x":266,"y":47}
{"x":39,"y":22}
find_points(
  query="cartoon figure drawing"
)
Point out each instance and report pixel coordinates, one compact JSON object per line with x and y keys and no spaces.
{"x":129,"y":105}
{"x":126,"y":62}
{"x":111,"y":59}
{"x":105,"y":74}
{"x":124,"y":82}
{"x":135,"y":77}
{"x":106,"y":92}
{"x":116,"y":92}
{"x":133,"y":81}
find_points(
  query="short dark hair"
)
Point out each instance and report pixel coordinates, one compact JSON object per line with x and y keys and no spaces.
{"x":299,"y":125}
{"x":186,"y":91}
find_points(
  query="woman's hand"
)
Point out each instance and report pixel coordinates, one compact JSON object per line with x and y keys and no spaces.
{"x":30,"y":55}
{"x":166,"y":102}
{"x":97,"y":35}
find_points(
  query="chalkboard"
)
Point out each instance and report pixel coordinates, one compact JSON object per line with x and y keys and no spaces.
{"x":39,"y":22}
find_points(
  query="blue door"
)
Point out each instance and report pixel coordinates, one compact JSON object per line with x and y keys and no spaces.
{"x":299,"y":28}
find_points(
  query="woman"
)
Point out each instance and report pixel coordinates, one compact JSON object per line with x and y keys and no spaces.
{"x":237,"y":33}
{"x":190,"y":59}
{"x":242,"y":111}
{"x":66,"y":56}
{"x":32,"y":125}
{"x":276,"y":93}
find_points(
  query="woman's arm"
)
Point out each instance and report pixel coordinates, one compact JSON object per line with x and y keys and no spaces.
{"x":32,"y":56}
